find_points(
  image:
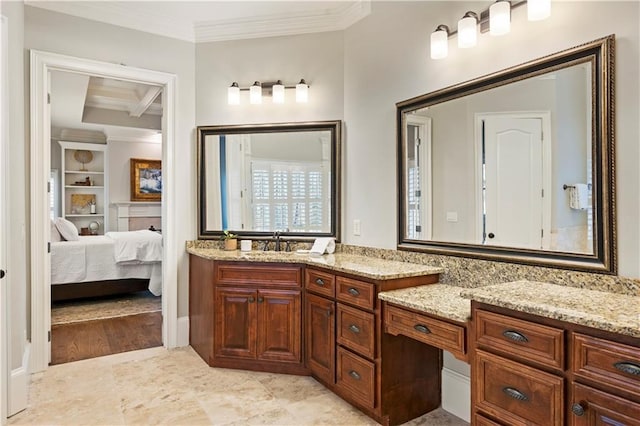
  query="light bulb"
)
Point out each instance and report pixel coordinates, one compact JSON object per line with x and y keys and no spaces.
{"x":302,"y":92}
{"x":468,"y":30}
{"x":255,"y":93}
{"x":500,"y":18}
{"x":233,"y":94}
{"x":440,"y":42}
{"x":277,"y":91}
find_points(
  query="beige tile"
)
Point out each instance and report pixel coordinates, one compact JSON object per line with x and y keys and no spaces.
{"x":176,"y":387}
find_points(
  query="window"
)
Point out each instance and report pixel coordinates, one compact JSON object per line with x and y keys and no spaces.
{"x":289,"y":196}
{"x":54,"y":202}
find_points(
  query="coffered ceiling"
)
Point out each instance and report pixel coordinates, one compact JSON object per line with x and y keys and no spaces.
{"x":205,"y":21}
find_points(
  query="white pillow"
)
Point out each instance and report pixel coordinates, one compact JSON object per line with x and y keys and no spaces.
{"x":55,"y":234}
{"x":67,"y":229}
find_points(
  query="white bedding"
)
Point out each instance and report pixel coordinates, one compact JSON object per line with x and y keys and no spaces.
{"x":140,"y":246}
{"x":92,"y":258}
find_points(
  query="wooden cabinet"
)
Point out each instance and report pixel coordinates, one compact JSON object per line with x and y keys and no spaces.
{"x":529,"y":370}
{"x":392,"y":379}
{"x":320,"y":337}
{"x":255,"y":318}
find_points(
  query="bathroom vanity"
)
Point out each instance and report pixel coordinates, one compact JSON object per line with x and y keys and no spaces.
{"x":286,"y":313}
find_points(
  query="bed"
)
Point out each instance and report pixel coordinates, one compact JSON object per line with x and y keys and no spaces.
{"x":99,"y":265}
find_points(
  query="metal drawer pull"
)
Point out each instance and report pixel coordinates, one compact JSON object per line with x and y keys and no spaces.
{"x":422,"y":328}
{"x":628,"y":367}
{"x":260,"y":299}
{"x":515,"y":336}
{"x":354,"y":328}
{"x":354,"y":374}
{"x":353,"y":291}
{"x":320,"y":281}
{"x":329,"y":312}
{"x":252,"y":299}
{"x":515,"y":394}
{"x":577,"y":409}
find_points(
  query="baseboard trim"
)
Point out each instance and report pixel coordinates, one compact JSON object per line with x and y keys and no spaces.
{"x":19,"y":384}
{"x":183,"y":332}
{"x":456,"y":394}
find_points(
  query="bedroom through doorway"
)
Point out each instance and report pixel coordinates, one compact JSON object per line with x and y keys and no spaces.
{"x":105,"y":193}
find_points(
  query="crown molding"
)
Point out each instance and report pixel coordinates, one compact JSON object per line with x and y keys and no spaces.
{"x":139,"y":16}
{"x":334,"y":19}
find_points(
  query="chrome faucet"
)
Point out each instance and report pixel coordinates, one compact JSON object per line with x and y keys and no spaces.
{"x":276,"y":237}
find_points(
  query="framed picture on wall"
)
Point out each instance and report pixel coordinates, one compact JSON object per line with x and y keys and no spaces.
{"x":146,"y":180}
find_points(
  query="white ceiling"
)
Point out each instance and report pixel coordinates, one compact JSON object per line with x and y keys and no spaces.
{"x":205,"y":21}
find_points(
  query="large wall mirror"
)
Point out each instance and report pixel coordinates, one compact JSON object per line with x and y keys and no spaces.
{"x":515,"y":166}
{"x":255,"y":180}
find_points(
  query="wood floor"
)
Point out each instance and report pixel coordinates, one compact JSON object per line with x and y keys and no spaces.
{"x":91,"y":339}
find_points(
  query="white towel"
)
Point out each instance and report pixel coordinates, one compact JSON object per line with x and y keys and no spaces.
{"x":323,"y":245}
{"x":579,"y":196}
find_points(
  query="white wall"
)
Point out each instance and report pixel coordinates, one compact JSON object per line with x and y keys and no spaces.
{"x":119,"y":154}
{"x":318,"y":58}
{"x":387,"y":60}
{"x":59,"y":33}
{"x":17,"y":189}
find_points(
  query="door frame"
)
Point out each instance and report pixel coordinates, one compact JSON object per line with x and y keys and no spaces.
{"x":41,"y":64}
{"x":545,"y":118}
{"x":4,"y":145}
{"x":426,"y":171}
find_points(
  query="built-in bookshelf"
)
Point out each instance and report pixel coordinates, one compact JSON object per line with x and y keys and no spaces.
{"x":85,"y":185}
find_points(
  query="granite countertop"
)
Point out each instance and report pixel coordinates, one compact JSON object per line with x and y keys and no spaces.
{"x":442,"y":300}
{"x":617,"y":313}
{"x":364,"y":266}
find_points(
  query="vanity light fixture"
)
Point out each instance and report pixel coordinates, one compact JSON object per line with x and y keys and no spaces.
{"x":233,"y":94}
{"x":275,"y":89}
{"x":538,"y":10}
{"x":277,"y":92}
{"x":500,"y":18}
{"x":302,"y":92}
{"x":468,"y":30}
{"x":255,"y":93}
{"x":440,"y":42}
{"x":496,"y":19}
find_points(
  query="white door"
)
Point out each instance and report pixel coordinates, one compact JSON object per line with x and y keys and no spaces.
{"x":513,"y":170}
{"x":418,"y":206}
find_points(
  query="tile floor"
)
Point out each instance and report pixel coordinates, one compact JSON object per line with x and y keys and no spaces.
{"x":156,"y":386}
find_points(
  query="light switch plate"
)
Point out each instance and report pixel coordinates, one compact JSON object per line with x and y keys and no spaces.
{"x":452,"y":216}
{"x":356,"y":227}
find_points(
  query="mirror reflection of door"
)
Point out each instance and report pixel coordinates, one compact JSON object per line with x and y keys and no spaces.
{"x":515,"y":213}
{"x":418,"y":178}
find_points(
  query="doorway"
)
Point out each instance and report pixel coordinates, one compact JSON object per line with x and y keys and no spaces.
{"x":42,"y":63}
{"x":515,"y":176}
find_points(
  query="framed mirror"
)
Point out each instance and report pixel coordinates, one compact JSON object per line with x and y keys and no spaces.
{"x":515,"y":166}
{"x":255,"y":180}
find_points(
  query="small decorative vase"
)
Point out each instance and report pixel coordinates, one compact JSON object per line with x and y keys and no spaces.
{"x":231,"y":244}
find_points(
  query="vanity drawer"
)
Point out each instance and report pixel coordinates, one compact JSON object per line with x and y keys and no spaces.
{"x":356,"y":375}
{"x":607,"y":363}
{"x":320,"y":282}
{"x":517,"y":394}
{"x":356,"y":292}
{"x":241,"y":273}
{"x":431,"y":331}
{"x":590,"y":406}
{"x":520,"y":339}
{"x":356,"y":330}
{"x":481,"y":420}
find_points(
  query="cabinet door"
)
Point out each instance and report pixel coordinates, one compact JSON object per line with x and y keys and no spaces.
{"x":320,"y":337}
{"x":235,"y":323}
{"x":279,"y":325}
{"x":591,"y":407}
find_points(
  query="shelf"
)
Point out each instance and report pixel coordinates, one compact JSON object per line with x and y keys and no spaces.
{"x":84,"y":215}
{"x":78,"y":172}
{"x":84,"y":186}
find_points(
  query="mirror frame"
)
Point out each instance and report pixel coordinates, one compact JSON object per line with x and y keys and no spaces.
{"x":335,"y":128}
{"x":600,"y":53}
